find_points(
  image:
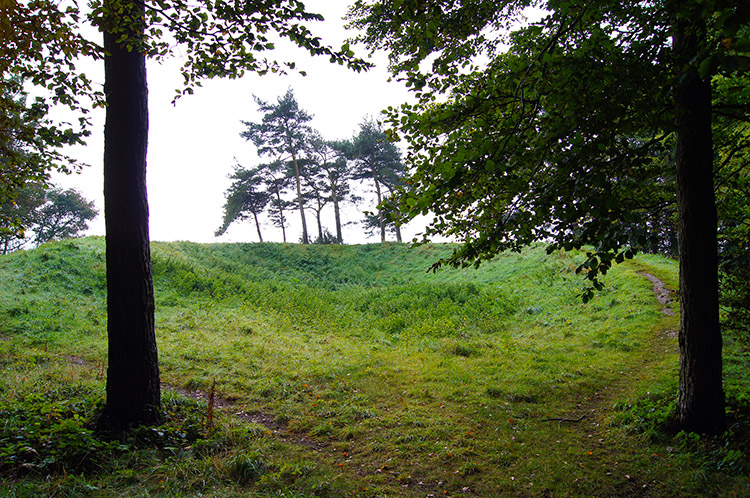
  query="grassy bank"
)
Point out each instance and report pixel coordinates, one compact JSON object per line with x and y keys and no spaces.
{"x":357,"y":373}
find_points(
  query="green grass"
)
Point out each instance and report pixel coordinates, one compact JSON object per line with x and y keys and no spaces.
{"x":387,"y":380}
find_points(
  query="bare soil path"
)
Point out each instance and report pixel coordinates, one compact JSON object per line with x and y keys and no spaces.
{"x":663,"y":295}
{"x":268,"y":421}
{"x":589,"y":418}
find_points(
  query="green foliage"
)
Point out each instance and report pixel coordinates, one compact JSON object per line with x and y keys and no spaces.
{"x":17,"y":215}
{"x":247,"y":469}
{"x":322,"y":171}
{"x":47,"y":445}
{"x":328,"y":174}
{"x":327,"y":238}
{"x":65,"y":214}
{"x":733,"y":182}
{"x":48,"y":433}
{"x":45,"y":434}
{"x":283,"y":129}
{"x":377,"y":159}
{"x":221,"y":42}
{"x":40,"y":43}
{"x":47,"y":213}
{"x":283,"y":132}
{"x":566,"y":136}
{"x":563,"y":134}
{"x":652,"y":415}
{"x":245,"y":198}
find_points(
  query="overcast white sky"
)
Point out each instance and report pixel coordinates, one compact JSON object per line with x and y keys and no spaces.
{"x":193,"y":145}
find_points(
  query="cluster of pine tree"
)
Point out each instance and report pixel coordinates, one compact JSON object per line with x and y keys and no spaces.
{"x":309,"y":173}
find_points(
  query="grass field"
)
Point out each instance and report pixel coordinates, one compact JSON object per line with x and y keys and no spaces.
{"x":351,"y":371}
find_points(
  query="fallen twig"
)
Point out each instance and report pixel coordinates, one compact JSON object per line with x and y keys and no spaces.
{"x":211,"y":404}
{"x":560,"y":420}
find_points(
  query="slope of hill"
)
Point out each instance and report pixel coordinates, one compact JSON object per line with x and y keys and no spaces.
{"x":368,"y":375}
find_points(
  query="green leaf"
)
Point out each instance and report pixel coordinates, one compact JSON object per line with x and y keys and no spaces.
{"x":708,"y":66}
{"x":741,"y":45}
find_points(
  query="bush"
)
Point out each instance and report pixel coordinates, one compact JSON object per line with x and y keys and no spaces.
{"x":45,"y":434}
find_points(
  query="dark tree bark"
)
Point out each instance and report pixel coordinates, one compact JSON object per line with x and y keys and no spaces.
{"x":318,"y":212}
{"x":396,"y":224}
{"x":257,"y":226}
{"x":279,"y":204}
{"x":381,"y":218}
{"x":300,"y":203}
{"x":700,"y":402}
{"x":337,"y":214}
{"x":133,"y":391}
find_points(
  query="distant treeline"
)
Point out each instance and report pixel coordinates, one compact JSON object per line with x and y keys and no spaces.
{"x":307,"y":173}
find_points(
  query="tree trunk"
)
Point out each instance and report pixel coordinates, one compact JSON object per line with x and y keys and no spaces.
{"x":318,"y":213}
{"x":133,"y":390}
{"x":282,"y":221}
{"x":396,"y":225}
{"x":700,"y":402}
{"x":337,"y":214}
{"x":381,"y":220}
{"x":257,"y":226}
{"x":305,"y":238}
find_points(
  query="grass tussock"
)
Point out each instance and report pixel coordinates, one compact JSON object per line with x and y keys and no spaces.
{"x":358,"y":373}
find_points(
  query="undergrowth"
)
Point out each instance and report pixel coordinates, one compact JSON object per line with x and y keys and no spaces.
{"x":48,"y":446}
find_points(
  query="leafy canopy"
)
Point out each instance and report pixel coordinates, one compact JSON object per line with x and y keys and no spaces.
{"x":218,"y":38}
{"x":564,"y":134}
{"x":48,"y":213}
{"x":39,"y":47}
{"x":246,"y":197}
{"x":283,"y":131}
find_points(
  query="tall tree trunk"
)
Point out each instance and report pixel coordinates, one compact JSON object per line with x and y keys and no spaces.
{"x":282,"y":221}
{"x":381,"y":219}
{"x":396,"y":224}
{"x":700,"y":402}
{"x":318,"y":213}
{"x":305,"y":238}
{"x":257,"y":226}
{"x":133,"y":391}
{"x":336,"y":213}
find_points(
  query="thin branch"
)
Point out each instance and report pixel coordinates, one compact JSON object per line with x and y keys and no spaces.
{"x":560,"y":420}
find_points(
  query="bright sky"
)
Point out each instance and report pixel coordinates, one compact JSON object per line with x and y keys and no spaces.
{"x":193,"y":145}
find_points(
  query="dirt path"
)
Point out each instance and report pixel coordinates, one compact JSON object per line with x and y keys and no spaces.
{"x":660,"y":290}
{"x":268,"y":421}
{"x":587,"y":420}
{"x":600,"y":402}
